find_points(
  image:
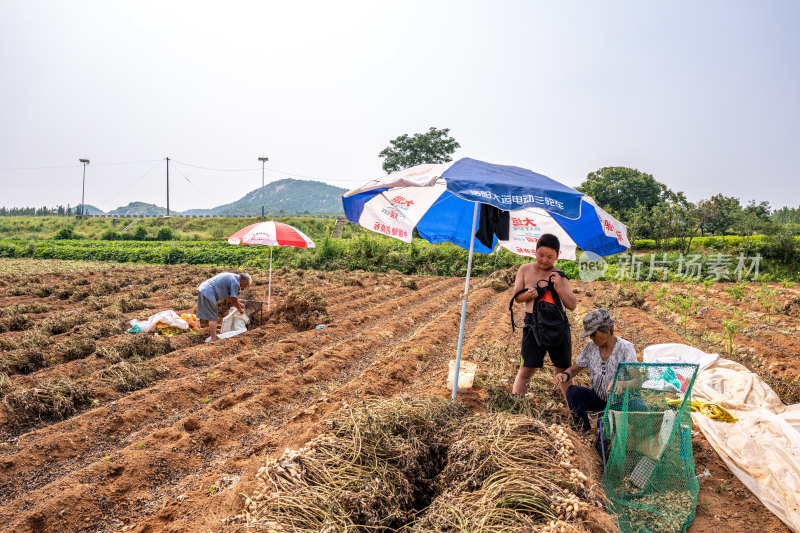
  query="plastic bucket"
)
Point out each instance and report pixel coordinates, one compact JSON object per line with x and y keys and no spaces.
{"x":466,"y":374}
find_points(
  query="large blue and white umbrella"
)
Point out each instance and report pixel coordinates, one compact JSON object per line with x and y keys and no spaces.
{"x":442,"y":201}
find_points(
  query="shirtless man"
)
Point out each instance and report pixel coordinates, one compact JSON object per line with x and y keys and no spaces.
{"x":528,"y":276}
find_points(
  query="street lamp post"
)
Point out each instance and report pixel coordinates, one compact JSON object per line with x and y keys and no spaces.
{"x":83,"y":189}
{"x":263,"y":160}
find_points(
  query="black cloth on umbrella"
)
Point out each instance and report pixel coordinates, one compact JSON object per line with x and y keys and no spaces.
{"x":493,"y":221}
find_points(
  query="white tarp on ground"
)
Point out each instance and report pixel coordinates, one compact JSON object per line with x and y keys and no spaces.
{"x":763,"y":448}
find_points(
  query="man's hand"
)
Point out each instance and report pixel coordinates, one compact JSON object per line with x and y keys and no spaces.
{"x":237,"y":304}
{"x":562,"y":377}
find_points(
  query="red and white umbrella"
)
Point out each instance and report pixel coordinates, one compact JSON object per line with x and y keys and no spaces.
{"x":271,"y":234}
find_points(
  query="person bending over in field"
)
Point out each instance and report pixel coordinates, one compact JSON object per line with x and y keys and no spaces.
{"x":601,"y":356}
{"x":528,"y":277}
{"x":220,"y":287}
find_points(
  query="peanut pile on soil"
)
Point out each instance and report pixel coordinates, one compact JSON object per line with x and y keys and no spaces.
{"x":415,"y":465}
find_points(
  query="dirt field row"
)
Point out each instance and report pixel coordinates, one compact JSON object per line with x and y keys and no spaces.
{"x":174,"y":449}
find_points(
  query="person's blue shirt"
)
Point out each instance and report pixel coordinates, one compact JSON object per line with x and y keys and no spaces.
{"x":220,"y":287}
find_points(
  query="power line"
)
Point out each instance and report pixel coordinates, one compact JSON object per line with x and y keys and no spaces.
{"x":140,"y":178}
{"x":39,"y":168}
{"x":243,"y":170}
{"x":216,"y":169}
{"x":192,"y":184}
{"x":126,"y":163}
{"x":158,"y":162}
{"x":73,"y":166}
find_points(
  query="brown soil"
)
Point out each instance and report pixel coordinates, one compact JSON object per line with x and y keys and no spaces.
{"x":178,"y":454}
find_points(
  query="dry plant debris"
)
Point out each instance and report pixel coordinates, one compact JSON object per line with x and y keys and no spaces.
{"x":77,"y":348}
{"x":62,"y":322}
{"x":6,"y":385}
{"x":624,"y":296}
{"x":15,"y":323}
{"x":55,"y":400}
{"x":303,"y":309}
{"x":144,"y":346}
{"x":500,"y":280}
{"x":127,"y":376}
{"x":384,"y":461}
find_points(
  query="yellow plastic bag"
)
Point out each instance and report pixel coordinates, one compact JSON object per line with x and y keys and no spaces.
{"x":171,"y":331}
{"x":711,"y":410}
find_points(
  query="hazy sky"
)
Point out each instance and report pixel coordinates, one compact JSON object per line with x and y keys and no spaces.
{"x":702,"y":95}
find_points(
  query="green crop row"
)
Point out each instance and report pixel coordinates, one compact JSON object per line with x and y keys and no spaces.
{"x":378,"y":253}
{"x":713,"y":242}
{"x":152,"y":228}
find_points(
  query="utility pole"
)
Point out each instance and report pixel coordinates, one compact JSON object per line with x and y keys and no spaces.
{"x":168,"y":186}
{"x":83,"y":190}
{"x":263,"y":160}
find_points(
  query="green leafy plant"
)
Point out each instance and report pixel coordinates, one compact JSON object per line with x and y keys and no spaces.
{"x":67,"y":232}
{"x":732,"y":326}
{"x":686,"y":305}
{"x":661,"y":294}
{"x":737,"y":291}
{"x":766,"y":297}
{"x":165,"y":234}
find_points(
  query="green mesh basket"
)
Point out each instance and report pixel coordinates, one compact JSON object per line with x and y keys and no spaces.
{"x":649,"y":476}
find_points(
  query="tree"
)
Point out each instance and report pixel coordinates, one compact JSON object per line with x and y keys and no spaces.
{"x":435,"y":146}
{"x":619,"y":190}
{"x":753,"y":219}
{"x":760,"y":211}
{"x":685,"y":219}
{"x":786,"y":215}
{"x":718,"y":214}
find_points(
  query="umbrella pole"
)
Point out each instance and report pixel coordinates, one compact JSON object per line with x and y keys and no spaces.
{"x":464,"y":303}
{"x":269,"y":287}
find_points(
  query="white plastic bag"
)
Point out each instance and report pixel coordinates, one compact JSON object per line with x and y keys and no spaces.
{"x":233,"y":324}
{"x":235,"y":321}
{"x":168,"y":317}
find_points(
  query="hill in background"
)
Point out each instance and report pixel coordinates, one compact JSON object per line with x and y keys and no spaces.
{"x":141,"y":209}
{"x":287,"y":196}
{"x":88,"y":210}
{"x":282,"y":197}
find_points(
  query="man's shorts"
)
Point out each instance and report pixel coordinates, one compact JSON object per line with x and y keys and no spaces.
{"x":206,"y":309}
{"x":533,"y":354}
